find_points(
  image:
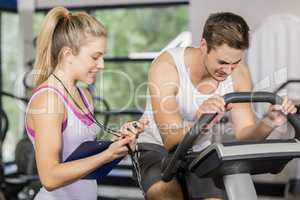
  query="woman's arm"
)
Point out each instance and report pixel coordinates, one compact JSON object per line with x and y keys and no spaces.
{"x":47,"y":114}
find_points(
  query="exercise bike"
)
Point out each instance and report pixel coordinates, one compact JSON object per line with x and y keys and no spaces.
{"x":232,"y":164}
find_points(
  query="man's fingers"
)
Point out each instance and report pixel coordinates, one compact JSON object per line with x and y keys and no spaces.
{"x":285,"y":100}
{"x":289,"y":106}
{"x":218,"y":117}
{"x":229,"y":107}
{"x":285,"y":104}
{"x":276,"y":108}
{"x":294,"y":110}
{"x":219,"y":103}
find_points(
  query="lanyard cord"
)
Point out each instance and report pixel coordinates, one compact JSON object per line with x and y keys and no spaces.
{"x":133,"y":155}
{"x":106,"y":129}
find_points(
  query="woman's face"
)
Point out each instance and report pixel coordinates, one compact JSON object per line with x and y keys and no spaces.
{"x":89,"y":60}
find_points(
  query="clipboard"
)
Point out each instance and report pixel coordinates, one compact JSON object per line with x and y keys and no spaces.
{"x":90,"y":148}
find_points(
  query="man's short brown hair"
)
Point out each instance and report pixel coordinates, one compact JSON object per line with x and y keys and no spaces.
{"x":226,"y":28}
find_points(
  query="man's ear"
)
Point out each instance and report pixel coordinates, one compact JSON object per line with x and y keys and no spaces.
{"x":203,"y":45}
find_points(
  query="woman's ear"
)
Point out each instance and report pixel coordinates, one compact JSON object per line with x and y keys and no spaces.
{"x":67,"y":54}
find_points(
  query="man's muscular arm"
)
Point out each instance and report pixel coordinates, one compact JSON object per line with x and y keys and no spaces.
{"x":163,"y":85}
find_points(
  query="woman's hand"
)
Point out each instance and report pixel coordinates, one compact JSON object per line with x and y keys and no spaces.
{"x":132,"y":130}
{"x":118,"y":148}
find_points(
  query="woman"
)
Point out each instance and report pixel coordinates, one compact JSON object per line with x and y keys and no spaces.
{"x":70,"y":48}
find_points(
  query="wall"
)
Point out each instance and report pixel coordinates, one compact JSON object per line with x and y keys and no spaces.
{"x":253,"y":11}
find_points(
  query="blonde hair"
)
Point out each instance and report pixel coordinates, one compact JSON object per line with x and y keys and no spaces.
{"x":60,"y":29}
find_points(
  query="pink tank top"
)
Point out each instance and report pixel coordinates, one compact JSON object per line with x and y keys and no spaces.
{"x":76,"y":129}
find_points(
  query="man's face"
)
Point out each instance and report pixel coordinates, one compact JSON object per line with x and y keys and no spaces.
{"x":221,"y":61}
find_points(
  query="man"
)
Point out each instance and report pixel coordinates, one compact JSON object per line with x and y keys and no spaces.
{"x":185,"y":83}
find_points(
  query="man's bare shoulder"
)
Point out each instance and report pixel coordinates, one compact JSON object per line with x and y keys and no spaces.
{"x":163,"y":69}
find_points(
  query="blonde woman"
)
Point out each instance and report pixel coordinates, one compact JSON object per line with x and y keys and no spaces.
{"x":70,"y":48}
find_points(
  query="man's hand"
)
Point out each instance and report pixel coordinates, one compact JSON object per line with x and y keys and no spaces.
{"x":215,"y":104}
{"x":277,"y":113}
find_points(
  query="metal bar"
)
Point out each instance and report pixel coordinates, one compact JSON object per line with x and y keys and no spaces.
{"x":285,"y":84}
{"x":126,"y":59}
{"x":108,"y":6}
{"x":119,"y":112}
{"x":239,"y":186}
{"x":1,"y":83}
{"x":75,"y":5}
{"x":6,"y":94}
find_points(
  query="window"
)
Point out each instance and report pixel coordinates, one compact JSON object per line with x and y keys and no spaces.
{"x":124,"y":84}
{"x":11,"y":74}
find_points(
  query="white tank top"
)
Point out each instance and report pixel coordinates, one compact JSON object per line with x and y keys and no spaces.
{"x":76,"y":129}
{"x":188,"y":100}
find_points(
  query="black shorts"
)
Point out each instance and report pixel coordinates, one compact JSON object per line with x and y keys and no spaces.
{"x":150,"y":158}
